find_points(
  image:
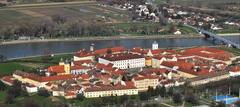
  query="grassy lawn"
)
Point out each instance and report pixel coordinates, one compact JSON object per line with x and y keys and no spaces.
{"x":228,"y":29}
{"x":9,"y":67}
{"x":2,"y":96}
{"x":187,"y":30}
{"x":127,"y":28}
{"x":29,"y":64}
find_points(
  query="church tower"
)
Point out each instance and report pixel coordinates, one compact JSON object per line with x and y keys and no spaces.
{"x":92,"y":47}
{"x":154,"y":45}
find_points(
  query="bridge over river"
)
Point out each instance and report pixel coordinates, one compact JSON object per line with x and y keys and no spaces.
{"x":216,"y":37}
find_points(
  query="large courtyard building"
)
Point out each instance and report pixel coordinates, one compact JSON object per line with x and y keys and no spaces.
{"x":123,"y":60}
{"x":126,"y":88}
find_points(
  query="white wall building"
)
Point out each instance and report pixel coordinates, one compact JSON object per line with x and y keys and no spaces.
{"x":154,"y":45}
{"x":123,"y":61}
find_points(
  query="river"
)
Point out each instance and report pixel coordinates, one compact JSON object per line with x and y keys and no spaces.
{"x":33,"y":49}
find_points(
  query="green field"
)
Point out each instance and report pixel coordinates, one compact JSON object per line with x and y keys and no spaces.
{"x":228,"y":29}
{"x":9,"y":67}
{"x":137,"y":28}
{"x":30,"y":64}
{"x":2,"y":96}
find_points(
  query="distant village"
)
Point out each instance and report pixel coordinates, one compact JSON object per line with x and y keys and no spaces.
{"x":120,"y":71}
{"x":178,"y":15}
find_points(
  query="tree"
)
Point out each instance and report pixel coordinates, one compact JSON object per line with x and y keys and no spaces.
{"x":190,"y":97}
{"x":177,"y":97}
{"x":151,"y":91}
{"x":43,"y":92}
{"x":59,"y":19}
{"x":172,"y":28}
{"x":123,"y":99}
{"x":9,"y":99}
{"x":170,"y":91}
{"x":144,"y":95}
{"x":109,"y":51}
{"x":28,"y":102}
{"x":16,"y":89}
{"x":162,"y":91}
{"x":80,"y":97}
{"x":2,"y":86}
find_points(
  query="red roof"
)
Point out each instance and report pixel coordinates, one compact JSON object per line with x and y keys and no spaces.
{"x":84,"y":76}
{"x":208,"y":53}
{"x":83,"y":53}
{"x":56,"y":78}
{"x":56,"y":69}
{"x":114,"y":50}
{"x":82,"y":62}
{"x":235,"y":69}
{"x":8,"y":79}
{"x":43,"y":79}
{"x":70,"y":94}
{"x":117,"y":72}
{"x":156,"y":51}
{"x":77,"y":67}
{"x":138,"y":50}
{"x":122,"y":56}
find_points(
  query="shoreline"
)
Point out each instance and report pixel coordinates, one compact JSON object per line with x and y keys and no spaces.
{"x":228,"y":34}
{"x":65,"y":53}
{"x":127,"y":37}
{"x":119,"y":37}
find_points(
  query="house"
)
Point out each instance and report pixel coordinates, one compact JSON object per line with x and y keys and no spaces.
{"x":83,"y":55}
{"x":31,"y":88}
{"x":177,"y":32}
{"x":157,"y":60}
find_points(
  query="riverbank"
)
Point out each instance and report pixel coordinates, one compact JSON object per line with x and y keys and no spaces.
{"x":122,"y":37}
{"x":229,"y":34}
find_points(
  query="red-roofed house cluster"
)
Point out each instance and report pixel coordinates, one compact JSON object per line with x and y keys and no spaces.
{"x":119,"y":71}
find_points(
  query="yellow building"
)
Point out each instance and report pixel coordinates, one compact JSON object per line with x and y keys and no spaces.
{"x":148,"y":61}
{"x":142,"y":83}
{"x":106,"y":90}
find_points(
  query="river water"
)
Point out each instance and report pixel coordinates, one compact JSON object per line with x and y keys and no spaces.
{"x":32,"y":49}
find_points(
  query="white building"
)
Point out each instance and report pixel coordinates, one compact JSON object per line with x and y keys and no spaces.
{"x":154,"y":45}
{"x":124,"y":60}
{"x":157,"y":60}
{"x":79,"y":70}
{"x":31,"y":88}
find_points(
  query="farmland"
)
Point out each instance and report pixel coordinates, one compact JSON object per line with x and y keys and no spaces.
{"x":86,"y":13}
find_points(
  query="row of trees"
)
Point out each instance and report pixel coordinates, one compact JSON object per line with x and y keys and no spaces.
{"x":57,"y":26}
